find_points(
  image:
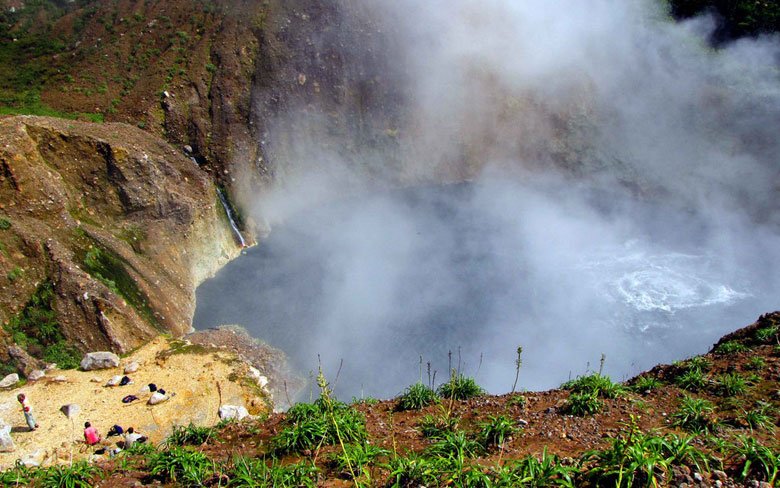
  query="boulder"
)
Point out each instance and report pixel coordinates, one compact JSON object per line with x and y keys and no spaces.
{"x":232,"y":412}
{"x":114,"y":380}
{"x":36,"y":374}
{"x":6,"y":441}
{"x":33,"y":459}
{"x":24,"y":361}
{"x":157,"y":397}
{"x":131,"y":367}
{"x":70,"y":410}
{"x":9,"y":381}
{"x":99,"y":360}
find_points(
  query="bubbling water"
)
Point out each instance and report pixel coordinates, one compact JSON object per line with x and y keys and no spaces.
{"x":462,"y":275}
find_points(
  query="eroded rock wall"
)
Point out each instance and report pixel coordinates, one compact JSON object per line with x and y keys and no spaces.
{"x":122,"y":225}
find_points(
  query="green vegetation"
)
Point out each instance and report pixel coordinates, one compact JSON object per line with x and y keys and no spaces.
{"x":692,"y":379}
{"x":496,"y":430}
{"x":694,"y":415}
{"x":731,"y":347}
{"x":768,"y":334}
{"x":756,"y":363}
{"x":191,"y":435}
{"x":111,"y":270}
{"x":435,"y":426}
{"x":37,"y":330}
{"x":757,"y":460}
{"x":182,"y":464}
{"x":730,"y":384}
{"x":416,"y":397}
{"x":309,"y":426}
{"x":760,"y":417}
{"x":460,"y":387}
{"x":256,"y":472}
{"x":645,"y":383}
{"x":78,"y":475}
{"x":5,"y":224}
{"x":582,"y":404}
{"x":595,"y":384}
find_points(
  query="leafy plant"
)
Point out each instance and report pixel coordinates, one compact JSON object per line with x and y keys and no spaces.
{"x":416,"y":397}
{"x":192,"y":435}
{"x":414,"y":470}
{"x":435,"y":426}
{"x":455,"y":446}
{"x":767,"y":334}
{"x":694,"y":415}
{"x":256,"y":473}
{"x":79,"y":474}
{"x":699,"y":362}
{"x":730,"y":384}
{"x":756,"y":363}
{"x":359,"y":456}
{"x":581,"y":404}
{"x":460,"y":387}
{"x":180,"y":464}
{"x":757,"y":460}
{"x":5,"y":224}
{"x":516,"y":400}
{"x":691,"y":380}
{"x":645,"y":383}
{"x":731,"y":347}
{"x":760,"y":417}
{"x":495,"y":431}
{"x":596,"y":384}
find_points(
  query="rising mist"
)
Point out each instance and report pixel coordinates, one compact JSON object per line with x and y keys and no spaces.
{"x":621,"y":198}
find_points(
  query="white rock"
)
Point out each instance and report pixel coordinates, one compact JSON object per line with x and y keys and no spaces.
{"x":232,"y":412}
{"x":60,"y":379}
{"x":131,"y":367}
{"x":259,"y":378}
{"x":114,"y":380}
{"x":99,"y":360}
{"x":36,"y":374}
{"x":96,"y":379}
{"x":6,"y":441}
{"x":9,"y":380}
{"x":33,"y":459}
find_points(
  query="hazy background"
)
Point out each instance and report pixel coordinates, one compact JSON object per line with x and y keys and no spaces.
{"x":622,"y":198}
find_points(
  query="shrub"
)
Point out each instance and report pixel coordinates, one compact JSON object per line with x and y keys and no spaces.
{"x":455,"y":446}
{"x":582,"y":404}
{"x":767,"y":334}
{"x":730,"y":384}
{"x":645,"y":383}
{"x":532,"y":472}
{"x":5,"y":224}
{"x":596,"y":384}
{"x":756,"y":363}
{"x":691,"y":380}
{"x":78,"y":475}
{"x":320,"y":423}
{"x":416,"y":397}
{"x":434,"y":427}
{"x":460,"y":387}
{"x":731,"y":347}
{"x":415,"y":470}
{"x":496,"y":430}
{"x":758,"y":461}
{"x":253,"y":472}
{"x":355,"y":457}
{"x":192,"y":435}
{"x":694,"y":415}
{"x":180,"y":464}
{"x":760,"y":417}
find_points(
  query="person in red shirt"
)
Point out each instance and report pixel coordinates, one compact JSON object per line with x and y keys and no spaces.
{"x":91,"y":436}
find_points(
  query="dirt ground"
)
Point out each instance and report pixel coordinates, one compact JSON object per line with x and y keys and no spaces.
{"x":200,"y":380}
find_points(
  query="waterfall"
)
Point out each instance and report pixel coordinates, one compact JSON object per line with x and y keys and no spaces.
{"x":231,"y":219}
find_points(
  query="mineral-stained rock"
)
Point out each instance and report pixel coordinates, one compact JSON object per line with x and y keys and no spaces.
{"x":70,"y":410}
{"x":99,"y":360}
{"x":25,"y":362}
{"x":36,"y":374}
{"x":131,"y":367}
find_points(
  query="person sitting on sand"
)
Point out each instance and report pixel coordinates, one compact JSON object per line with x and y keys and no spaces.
{"x":131,"y":437}
{"x":91,"y":435}
{"x":28,"y":413}
{"x":115,"y":430}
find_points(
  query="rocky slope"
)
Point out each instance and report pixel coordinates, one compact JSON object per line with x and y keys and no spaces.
{"x":106,"y":232}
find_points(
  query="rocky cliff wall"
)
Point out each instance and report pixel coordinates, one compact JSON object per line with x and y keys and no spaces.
{"x":119,"y":225}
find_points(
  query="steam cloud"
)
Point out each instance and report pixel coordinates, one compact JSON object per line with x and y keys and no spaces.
{"x":622,"y":199}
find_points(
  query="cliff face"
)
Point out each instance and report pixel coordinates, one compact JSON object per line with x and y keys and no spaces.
{"x":106,"y":231}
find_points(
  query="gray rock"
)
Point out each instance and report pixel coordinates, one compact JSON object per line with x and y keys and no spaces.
{"x":718,"y":484}
{"x":188,"y":149}
{"x":698,"y":477}
{"x":25,"y":362}
{"x":131,"y":367}
{"x":720,"y":475}
{"x":70,"y":410}
{"x":9,"y":380}
{"x":753,"y":484}
{"x":522,"y":422}
{"x":6,"y":441}
{"x":99,"y":360}
{"x":60,"y":379}
{"x":36,"y":374}
{"x":114,"y":380}
{"x":764,"y":484}
{"x":232,"y":412}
